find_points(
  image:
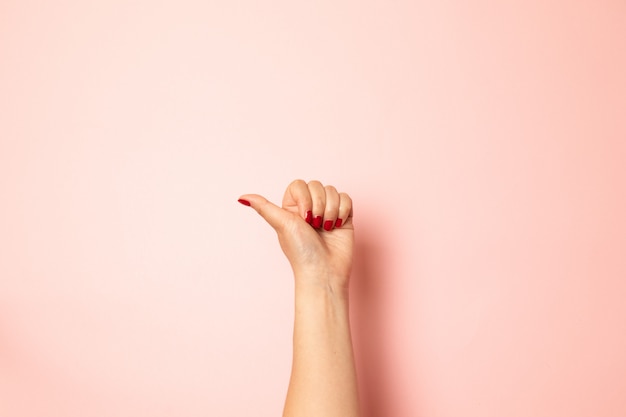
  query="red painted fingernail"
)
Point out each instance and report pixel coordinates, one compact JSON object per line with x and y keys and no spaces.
{"x":317,"y":222}
{"x":244,"y":202}
{"x":338,"y":223}
{"x":309,"y":216}
{"x":328,"y":225}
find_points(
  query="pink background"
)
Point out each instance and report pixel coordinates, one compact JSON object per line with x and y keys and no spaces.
{"x":483,"y":142}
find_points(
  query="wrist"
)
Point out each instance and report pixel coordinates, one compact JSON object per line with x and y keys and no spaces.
{"x":322,"y":284}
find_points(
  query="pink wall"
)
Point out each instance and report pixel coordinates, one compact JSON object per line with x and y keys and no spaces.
{"x":483,"y":144}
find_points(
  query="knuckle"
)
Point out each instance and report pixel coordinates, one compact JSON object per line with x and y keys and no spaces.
{"x":318,"y":201}
{"x":297,"y":182}
{"x":261,"y":209}
{"x":331,"y":212}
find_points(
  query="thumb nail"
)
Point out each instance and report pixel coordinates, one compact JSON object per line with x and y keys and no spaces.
{"x":244,"y":202}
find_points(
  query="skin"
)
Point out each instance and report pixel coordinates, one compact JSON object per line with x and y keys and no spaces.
{"x":323,"y":377}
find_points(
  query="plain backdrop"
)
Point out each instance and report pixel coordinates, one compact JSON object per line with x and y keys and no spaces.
{"x":483,"y":143}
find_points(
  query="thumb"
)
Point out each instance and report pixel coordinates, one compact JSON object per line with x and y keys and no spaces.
{"x":272,"y":214}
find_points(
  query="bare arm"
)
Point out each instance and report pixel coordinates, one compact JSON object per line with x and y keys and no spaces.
{"x":323,"y":377}
{"x":323,"y":380}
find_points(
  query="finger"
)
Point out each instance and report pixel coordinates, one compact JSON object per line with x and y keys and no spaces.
{"x":297,"y":194}
{"x":318,"y":198}
{"x":345,"y":210}
{"x":332,"y":207}
{"x":272,"y":214}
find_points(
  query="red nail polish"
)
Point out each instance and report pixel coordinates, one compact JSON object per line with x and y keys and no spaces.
{"x":328,"y":225}
{"x":317,"y":222}
{"x":338,"y":223}
{"x":244,"y":202}
{"x":309,"y":216}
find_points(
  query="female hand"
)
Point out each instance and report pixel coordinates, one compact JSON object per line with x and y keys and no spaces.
{"x":315,"y":231}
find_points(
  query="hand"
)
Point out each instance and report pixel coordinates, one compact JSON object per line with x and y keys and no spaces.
{"x":315,"y":231}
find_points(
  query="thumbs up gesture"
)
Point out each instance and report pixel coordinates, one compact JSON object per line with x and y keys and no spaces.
{"x":315,"y":231}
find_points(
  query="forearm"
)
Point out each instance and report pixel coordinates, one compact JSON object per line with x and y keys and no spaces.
{"x":323,"y":378}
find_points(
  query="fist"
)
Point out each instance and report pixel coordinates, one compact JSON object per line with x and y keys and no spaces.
{"x":315,"y":231}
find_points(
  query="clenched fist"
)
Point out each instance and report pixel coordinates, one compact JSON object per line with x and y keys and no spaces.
{"x":315,"y":231}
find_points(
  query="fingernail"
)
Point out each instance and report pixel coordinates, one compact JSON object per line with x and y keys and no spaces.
{"x":309,"y":216}
{"x":317,"y":222}
{"x":338,"y":223}
{"x":244,"y":202}
{"x":328,"y":225}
